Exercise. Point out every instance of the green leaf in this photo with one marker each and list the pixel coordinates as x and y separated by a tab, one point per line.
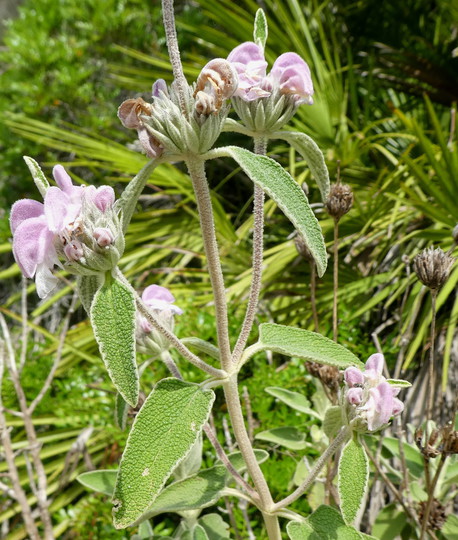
293	399
306	345
202	346
113	321
329	525
312	154
215	527
299	531
163	433
288	195
121	410
239	464
353	479
389	523
399	383
332	421
192	463
128	201
102	481
195	492
412	455
37	174
289	437
260	29
87	287
145	530
450	528
199	533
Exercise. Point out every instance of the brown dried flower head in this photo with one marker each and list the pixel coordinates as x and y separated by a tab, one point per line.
130	110
437	515
430	448
432	267
340	200
217	82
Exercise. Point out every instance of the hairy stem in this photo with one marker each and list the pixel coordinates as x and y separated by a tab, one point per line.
260	145
313	295
431	372
174	52
342	436
336	280
196	168
432	487
243	440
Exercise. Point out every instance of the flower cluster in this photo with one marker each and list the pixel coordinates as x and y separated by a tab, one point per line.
369	397
290	75
160	302
265	102
75	224
163	126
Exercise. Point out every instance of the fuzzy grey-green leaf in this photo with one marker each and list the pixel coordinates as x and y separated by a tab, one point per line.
332	421
312	154
306	345
87	287
162	435
260	28
215	527
121	410
295	400
282	188
113	321
299	531
287	436
352	479
102	481
38	176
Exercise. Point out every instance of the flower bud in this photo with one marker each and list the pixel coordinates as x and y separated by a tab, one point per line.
74	251
432	267
340	200
103	236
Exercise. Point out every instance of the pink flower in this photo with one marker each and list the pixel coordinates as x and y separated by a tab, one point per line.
43	231
289	74
371	396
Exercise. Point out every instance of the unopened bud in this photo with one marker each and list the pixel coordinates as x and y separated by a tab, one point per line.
432	267
74	251
340	200
103	237
159	88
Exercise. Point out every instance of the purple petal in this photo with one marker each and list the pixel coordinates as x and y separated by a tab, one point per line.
383	403
32	244
355	396
248	60
151	146
57	205
160	87
376	362
62	178
24	209
353	375
103	236
292	75
398	406
104	198
247	53
156	292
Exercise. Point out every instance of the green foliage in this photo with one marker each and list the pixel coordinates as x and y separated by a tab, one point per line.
163	433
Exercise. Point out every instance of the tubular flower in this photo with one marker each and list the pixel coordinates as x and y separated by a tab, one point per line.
61	230
369	397
290	75
160	302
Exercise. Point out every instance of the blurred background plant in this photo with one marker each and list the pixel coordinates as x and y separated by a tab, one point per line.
386	88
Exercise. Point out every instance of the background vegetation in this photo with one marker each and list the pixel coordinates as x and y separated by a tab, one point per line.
386	84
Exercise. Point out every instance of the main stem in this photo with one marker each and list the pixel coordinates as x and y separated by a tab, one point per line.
336	280
174	52
431	374
243	440
260	145
196	168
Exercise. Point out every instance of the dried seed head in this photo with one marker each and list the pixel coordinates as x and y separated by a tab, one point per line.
302	248
330	376
428	448
432	267
437	515
340	200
